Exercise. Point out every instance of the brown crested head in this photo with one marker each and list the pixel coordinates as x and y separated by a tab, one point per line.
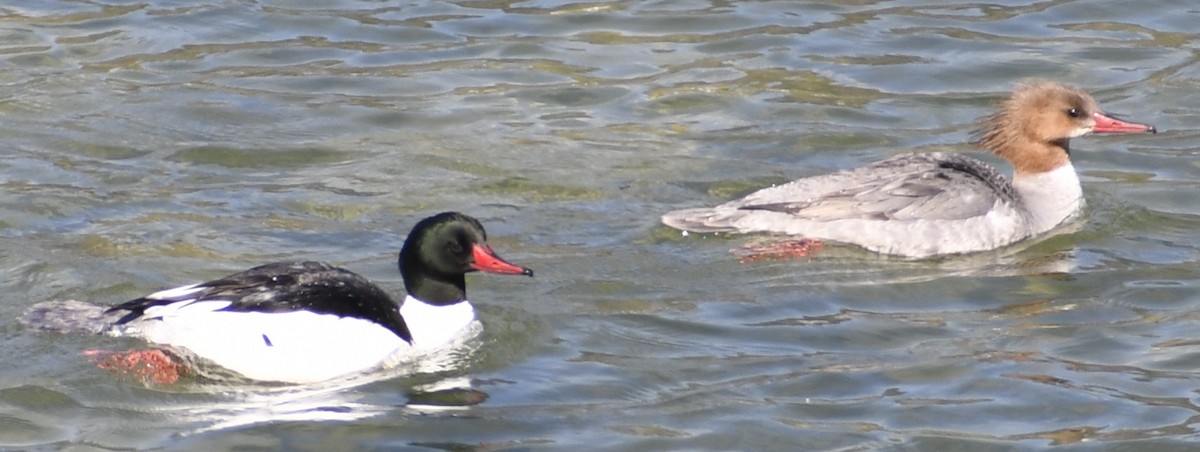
1035	124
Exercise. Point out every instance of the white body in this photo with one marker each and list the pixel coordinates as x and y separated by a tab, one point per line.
298	346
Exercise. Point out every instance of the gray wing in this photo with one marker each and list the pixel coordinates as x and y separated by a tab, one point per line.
907	187
932	186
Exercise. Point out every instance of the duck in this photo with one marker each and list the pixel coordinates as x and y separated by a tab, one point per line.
306	322
920	205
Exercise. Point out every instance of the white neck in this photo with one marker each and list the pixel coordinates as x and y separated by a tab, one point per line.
1050	197
435	326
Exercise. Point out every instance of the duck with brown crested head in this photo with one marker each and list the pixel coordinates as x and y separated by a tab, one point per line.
927	204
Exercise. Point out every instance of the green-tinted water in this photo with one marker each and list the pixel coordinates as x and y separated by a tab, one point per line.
159	143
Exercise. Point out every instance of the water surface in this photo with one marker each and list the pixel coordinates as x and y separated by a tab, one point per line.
154	143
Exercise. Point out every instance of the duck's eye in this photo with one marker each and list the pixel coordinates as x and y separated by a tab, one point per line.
454	247
1073	112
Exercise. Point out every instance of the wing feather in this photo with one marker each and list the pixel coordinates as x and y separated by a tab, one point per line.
907	187
279	288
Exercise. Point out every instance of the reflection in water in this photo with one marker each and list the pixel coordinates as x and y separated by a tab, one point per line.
334	401
255	403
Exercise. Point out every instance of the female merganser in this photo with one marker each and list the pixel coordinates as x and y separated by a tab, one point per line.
920	205
301	322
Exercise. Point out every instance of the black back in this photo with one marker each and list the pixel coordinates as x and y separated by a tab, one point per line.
288	287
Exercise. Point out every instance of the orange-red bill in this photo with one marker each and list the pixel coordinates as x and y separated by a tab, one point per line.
1109	124
486	260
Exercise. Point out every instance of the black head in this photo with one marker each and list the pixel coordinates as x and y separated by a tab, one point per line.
440	250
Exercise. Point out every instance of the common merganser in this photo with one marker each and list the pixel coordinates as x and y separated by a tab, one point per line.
302	322
926	204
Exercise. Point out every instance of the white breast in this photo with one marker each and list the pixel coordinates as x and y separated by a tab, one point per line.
435	327
1050	197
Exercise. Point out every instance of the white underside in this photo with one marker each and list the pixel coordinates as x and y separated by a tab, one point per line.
912	238
299	346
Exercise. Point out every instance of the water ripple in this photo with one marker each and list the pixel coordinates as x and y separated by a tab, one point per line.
150	144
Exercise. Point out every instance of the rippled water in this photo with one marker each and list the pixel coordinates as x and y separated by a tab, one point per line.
156	143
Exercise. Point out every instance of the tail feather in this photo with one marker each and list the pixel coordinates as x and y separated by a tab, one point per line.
704	220
68	316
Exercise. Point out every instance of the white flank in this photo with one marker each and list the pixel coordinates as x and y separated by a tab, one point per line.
293	347
298	346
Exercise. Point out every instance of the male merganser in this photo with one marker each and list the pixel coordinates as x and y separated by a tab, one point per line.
920	205
301	322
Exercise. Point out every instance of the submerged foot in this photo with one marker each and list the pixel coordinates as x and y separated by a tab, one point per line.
777	250
148	365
